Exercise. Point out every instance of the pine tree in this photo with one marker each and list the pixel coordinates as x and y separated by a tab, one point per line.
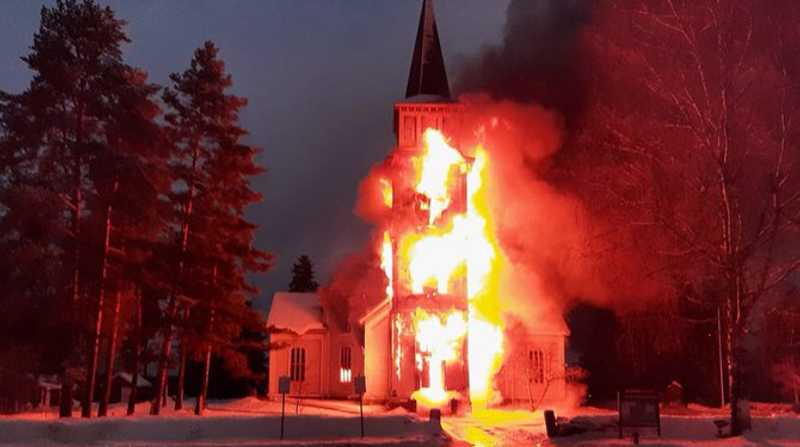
212	168
90	137
303	276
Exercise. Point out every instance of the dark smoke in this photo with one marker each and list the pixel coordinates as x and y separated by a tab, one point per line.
540	60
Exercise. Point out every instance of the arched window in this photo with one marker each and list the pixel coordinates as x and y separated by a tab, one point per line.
297	367
346	365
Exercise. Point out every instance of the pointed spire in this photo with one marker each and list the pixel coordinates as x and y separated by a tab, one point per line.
428	75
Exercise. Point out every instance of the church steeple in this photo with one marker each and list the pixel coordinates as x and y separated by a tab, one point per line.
428	75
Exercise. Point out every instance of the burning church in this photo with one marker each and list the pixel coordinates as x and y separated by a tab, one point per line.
439	335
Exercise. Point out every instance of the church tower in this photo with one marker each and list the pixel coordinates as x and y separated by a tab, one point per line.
416	349
427	103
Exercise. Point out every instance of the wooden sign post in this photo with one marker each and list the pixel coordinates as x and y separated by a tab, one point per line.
361	388
283	388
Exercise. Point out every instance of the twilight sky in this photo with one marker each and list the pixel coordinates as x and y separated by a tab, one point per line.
321	77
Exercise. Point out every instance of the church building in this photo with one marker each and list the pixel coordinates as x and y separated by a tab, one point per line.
385	351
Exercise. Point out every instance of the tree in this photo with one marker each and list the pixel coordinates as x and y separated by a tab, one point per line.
780	338
694	137
88	140
303	276
215	244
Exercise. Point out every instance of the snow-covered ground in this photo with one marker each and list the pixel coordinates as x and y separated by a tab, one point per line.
251	422
246	422
773	425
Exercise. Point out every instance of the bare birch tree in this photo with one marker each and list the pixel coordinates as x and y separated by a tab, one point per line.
694	126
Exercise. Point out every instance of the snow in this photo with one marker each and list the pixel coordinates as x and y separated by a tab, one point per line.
243	422
314	422
772	425
296	312
141	382
49	383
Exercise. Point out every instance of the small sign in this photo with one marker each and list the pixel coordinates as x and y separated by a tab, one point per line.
283	384
361	384
638	408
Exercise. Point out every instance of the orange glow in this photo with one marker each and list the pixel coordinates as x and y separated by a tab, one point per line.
386	192
438	343
398	353
434	258
455	245
345	375
485	334
387	263
434	171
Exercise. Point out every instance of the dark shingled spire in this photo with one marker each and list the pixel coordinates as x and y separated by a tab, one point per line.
428	75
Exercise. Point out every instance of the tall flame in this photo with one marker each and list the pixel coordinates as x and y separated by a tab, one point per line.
454	242
485	335
439	342
434	167
387	263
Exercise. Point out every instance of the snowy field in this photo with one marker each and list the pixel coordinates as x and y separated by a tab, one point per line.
251	423
246	422
773	425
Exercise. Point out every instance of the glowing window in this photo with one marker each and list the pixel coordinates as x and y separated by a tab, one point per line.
346	366
297	367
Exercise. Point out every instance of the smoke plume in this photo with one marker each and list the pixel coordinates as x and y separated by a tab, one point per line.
540	60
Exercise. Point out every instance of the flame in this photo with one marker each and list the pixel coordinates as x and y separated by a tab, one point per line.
387	192
454	244
438	342
485	341
434	167
436	257
485	335
387	263
398	354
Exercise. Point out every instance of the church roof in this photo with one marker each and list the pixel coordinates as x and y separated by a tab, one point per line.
428	75
141	382
296	312
550	326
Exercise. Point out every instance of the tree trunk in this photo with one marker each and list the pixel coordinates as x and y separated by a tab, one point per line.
182	364
733	314
91	371
733	397
65	401
137	353
163	364
65	404
111	355
796	382
166	345
202	396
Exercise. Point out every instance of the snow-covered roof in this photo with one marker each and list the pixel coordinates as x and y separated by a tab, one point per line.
550	326
372	313
296	312
141	382
49	383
